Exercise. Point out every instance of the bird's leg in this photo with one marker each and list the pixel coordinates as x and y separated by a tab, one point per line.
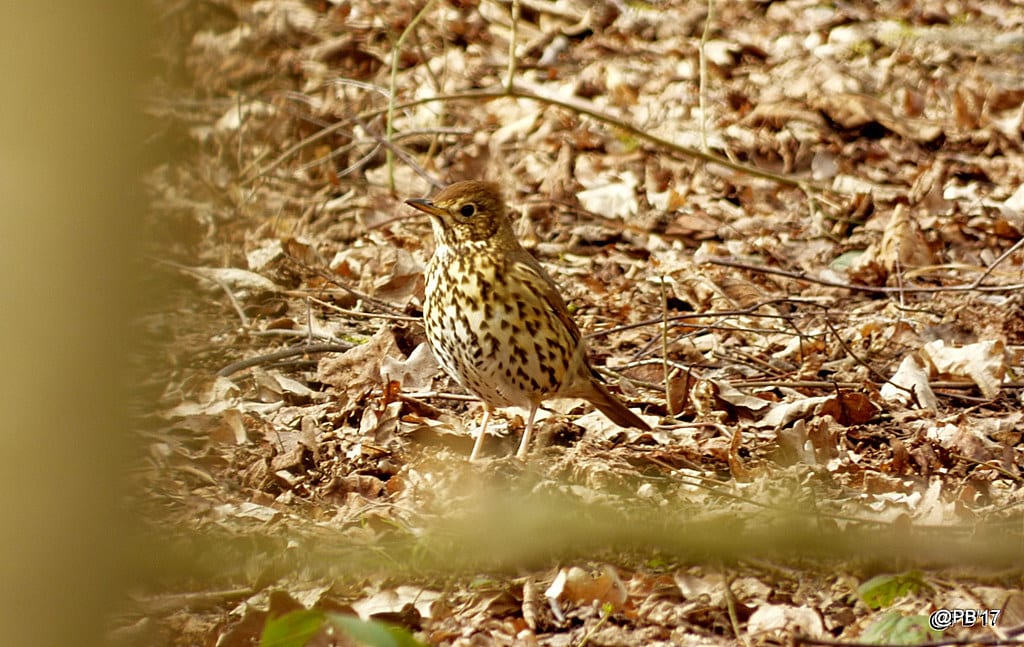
480	437
524	445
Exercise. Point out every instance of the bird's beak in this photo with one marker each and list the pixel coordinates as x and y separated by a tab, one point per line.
426	206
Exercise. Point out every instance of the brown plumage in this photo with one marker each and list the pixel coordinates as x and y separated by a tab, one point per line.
494	317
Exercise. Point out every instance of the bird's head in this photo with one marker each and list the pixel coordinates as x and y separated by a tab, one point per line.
469	211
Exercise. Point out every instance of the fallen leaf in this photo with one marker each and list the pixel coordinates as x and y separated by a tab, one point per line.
984	363
913	378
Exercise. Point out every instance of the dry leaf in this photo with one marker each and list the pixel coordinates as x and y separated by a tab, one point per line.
614	199
912	377
984	363
901	248
580	586
785	620
395	600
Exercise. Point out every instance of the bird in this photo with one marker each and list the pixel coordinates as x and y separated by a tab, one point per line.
494	318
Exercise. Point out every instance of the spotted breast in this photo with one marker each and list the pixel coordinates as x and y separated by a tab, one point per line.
495	319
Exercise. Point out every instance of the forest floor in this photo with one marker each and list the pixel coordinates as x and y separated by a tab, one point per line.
792	233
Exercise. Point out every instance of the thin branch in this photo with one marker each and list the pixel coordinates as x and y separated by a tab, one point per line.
715	314
1005	472
509	82
305	349
374	301
702	90
214	279
426	132
422	395
664	341
589	109
392	149
999	260
392	88
575	105
358	313
859	287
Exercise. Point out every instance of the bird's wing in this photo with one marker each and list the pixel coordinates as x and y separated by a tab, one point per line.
534	275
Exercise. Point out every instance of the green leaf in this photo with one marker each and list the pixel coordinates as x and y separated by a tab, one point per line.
292	629
895	629
881	590
373	633
295	629
846	260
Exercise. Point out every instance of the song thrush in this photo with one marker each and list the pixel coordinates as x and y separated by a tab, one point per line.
494	317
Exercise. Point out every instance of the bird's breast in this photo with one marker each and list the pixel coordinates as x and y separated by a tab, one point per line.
492	330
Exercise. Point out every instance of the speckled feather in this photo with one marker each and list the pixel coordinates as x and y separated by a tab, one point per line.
494	317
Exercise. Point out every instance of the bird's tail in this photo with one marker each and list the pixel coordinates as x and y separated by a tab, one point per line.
612	407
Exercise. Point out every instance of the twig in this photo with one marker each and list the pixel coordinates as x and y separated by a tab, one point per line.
358	313
289	332
575	105
999	260
220	283
703	86
606	612
697	315
512	39
590	110
649	362
664	341
822	384
859	287
394	219
395	53
305	349
857	358
730	604
296	147
383	305
422	395
1008	474
309	321
432	132
405	157
351	168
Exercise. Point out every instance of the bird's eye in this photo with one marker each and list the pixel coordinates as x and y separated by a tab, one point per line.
467	210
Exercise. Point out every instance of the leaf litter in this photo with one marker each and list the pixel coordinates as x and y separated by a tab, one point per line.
805	271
